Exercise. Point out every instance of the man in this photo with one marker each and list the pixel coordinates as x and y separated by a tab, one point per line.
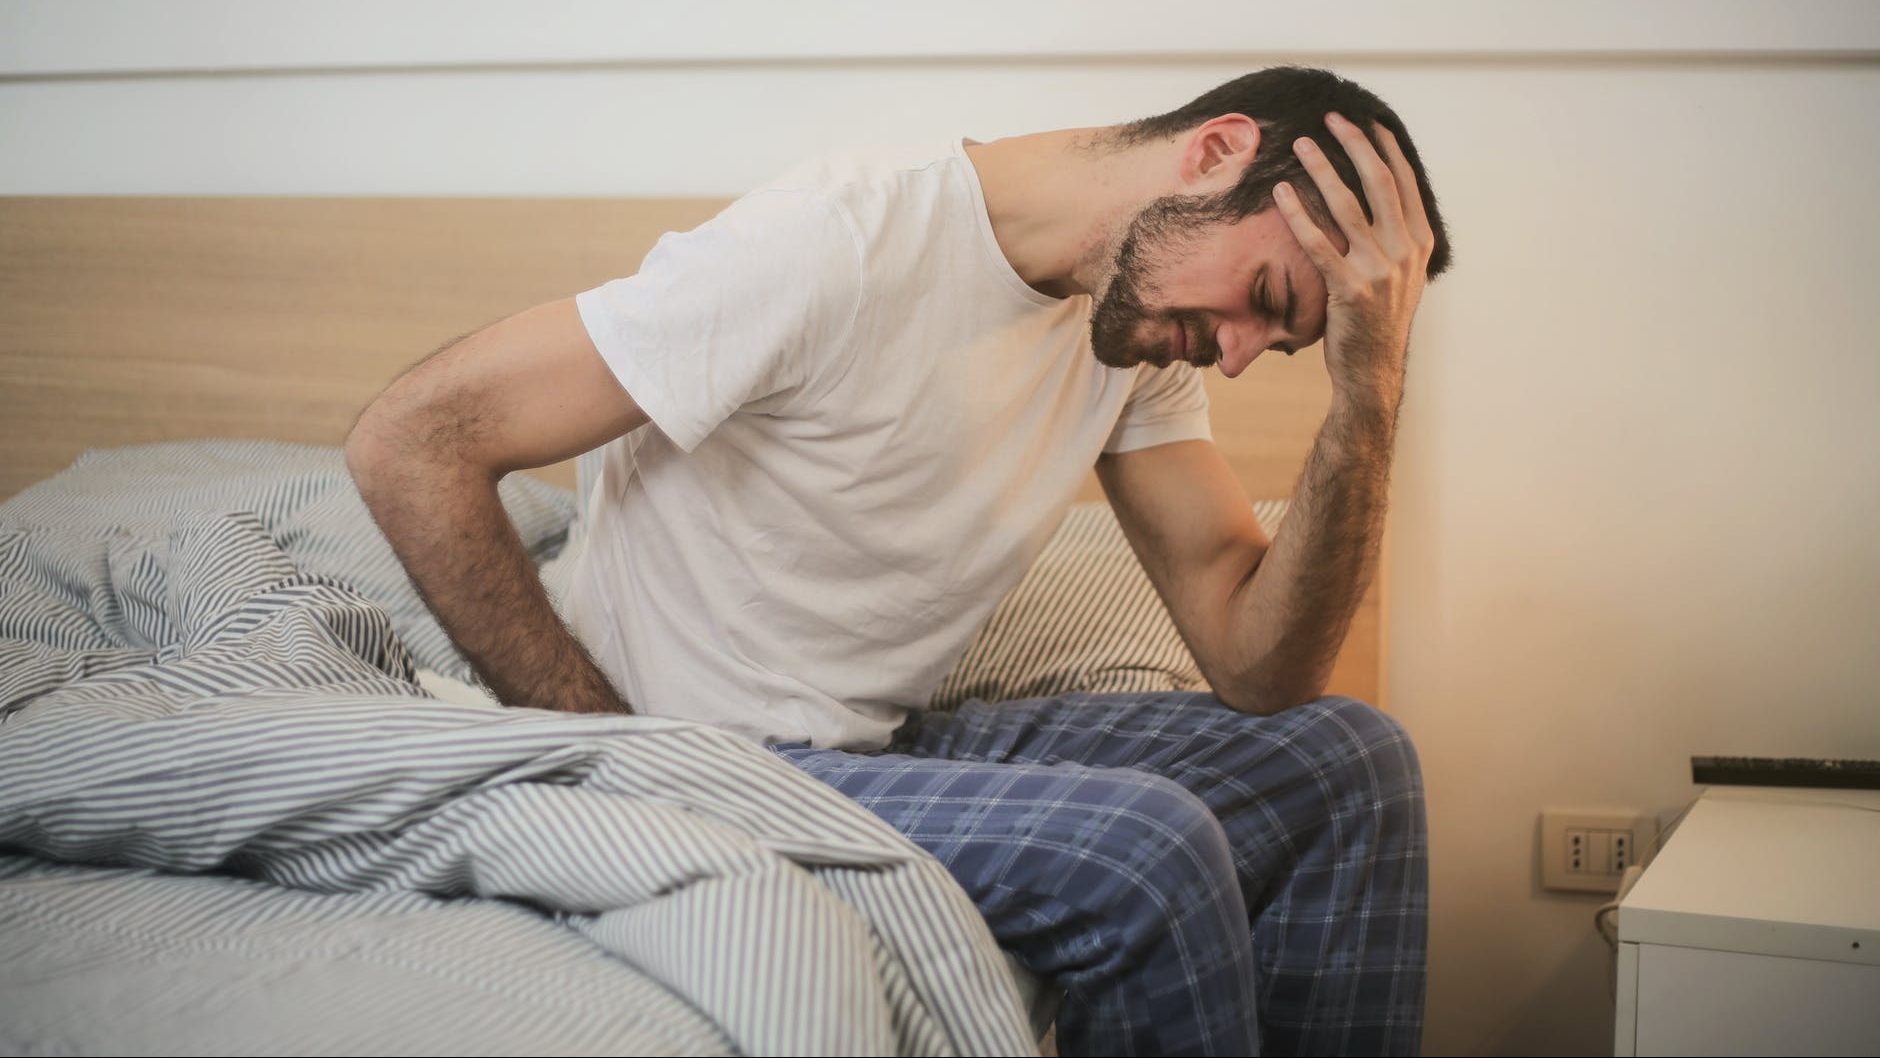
841	419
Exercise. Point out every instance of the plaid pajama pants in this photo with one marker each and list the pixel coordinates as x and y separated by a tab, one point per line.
1197	880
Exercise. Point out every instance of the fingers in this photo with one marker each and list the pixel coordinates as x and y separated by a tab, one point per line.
1338	198
1398	226
1380	184
1408	192
1323	254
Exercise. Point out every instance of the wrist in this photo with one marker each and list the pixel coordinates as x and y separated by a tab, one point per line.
1368	382
1370	411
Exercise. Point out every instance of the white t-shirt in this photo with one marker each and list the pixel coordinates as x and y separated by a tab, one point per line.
865	426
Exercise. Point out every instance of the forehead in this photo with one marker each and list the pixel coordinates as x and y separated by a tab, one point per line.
1261	239
1234	256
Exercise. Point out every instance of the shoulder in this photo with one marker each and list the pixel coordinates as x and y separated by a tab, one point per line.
797	220
886	191
781	253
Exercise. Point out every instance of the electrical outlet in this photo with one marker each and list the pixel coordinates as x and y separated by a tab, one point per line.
1619	856
1588	851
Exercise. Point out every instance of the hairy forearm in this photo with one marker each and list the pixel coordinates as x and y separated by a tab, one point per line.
1289	618
446	522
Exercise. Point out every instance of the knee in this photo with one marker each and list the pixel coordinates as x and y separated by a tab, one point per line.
1116	836
1165	846
1367	748
1101	892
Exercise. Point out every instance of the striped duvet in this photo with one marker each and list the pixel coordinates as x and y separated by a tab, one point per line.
230	821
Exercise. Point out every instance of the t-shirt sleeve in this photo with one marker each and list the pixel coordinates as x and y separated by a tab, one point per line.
1167	404
750	305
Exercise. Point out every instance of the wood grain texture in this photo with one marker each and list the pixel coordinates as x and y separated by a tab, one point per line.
129	320
125	320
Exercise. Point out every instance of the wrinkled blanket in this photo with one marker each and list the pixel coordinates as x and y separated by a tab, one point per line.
177	694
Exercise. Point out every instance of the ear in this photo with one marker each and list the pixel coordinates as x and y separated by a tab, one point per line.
1218	151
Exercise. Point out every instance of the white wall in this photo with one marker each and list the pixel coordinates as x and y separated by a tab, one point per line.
1639	480
1639	486
429	97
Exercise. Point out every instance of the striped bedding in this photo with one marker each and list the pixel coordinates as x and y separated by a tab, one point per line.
231	821
1083	619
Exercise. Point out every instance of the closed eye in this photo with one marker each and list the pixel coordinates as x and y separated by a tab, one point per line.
1263	306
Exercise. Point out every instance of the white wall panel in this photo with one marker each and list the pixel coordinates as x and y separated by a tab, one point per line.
523	132
1637	485
64	36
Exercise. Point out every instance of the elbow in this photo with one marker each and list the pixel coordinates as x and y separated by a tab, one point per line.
1264	692
367	450
399	448
382	450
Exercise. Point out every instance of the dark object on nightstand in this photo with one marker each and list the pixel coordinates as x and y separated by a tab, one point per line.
1790	771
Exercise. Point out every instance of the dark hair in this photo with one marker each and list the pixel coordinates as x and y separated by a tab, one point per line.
1289	102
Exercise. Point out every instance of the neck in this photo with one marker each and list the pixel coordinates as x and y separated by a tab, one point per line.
1059	202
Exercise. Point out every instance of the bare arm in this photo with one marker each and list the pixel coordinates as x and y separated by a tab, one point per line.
527	391
1265	619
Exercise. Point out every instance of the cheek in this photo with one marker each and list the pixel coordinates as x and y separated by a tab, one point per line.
1168	270
1201	279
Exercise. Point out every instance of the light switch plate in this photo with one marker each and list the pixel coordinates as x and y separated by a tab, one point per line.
1588	850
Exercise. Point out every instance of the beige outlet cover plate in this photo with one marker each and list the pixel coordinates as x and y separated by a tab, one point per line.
1557	872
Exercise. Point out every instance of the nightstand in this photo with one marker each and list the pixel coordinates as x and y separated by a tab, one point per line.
1757	929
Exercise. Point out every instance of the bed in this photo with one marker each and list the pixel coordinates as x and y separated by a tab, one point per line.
252	798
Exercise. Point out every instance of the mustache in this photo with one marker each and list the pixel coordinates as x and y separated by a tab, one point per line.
1203	350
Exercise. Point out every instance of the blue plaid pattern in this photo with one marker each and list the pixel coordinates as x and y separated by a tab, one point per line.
1197	880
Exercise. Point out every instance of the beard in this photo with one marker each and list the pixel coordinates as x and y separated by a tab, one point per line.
1121	315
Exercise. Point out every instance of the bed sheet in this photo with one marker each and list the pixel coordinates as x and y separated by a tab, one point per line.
232	820
135	961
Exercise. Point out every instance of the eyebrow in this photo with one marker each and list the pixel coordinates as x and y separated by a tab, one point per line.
1292	309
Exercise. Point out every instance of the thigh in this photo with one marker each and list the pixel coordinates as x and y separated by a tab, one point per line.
1321	806
1117	884
1155	732
1030	827
1332	763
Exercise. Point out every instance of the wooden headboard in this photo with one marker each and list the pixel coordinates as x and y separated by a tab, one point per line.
128	320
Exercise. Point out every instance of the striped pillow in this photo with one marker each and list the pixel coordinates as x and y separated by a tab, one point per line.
1085	618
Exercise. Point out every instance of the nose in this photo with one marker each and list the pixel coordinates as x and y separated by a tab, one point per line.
1240	344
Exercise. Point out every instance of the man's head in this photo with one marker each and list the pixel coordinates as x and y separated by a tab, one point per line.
1211	273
